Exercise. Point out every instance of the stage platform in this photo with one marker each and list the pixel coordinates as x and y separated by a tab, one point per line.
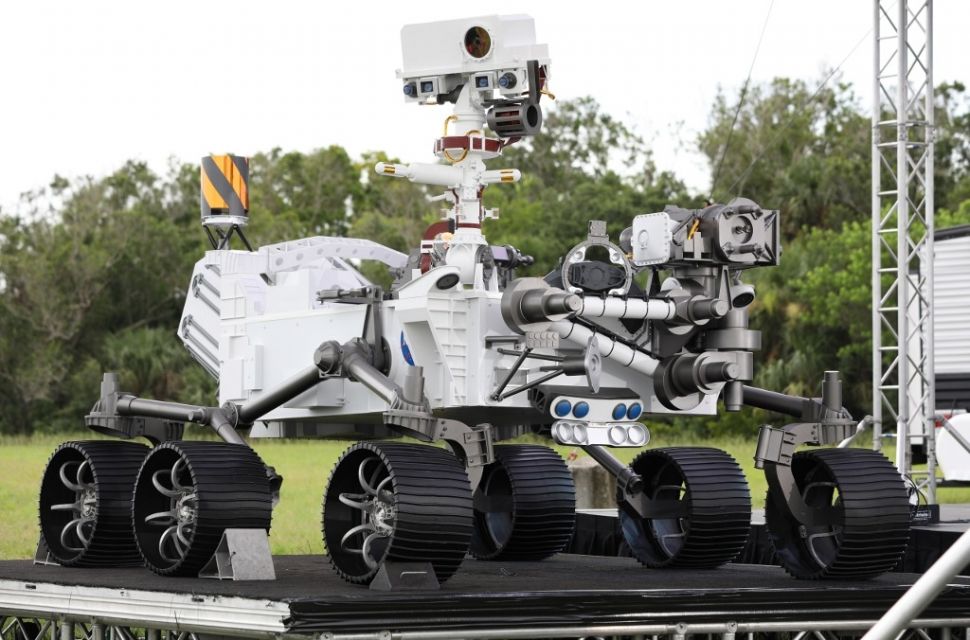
565	596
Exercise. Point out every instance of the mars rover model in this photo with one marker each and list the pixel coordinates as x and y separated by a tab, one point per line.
460	352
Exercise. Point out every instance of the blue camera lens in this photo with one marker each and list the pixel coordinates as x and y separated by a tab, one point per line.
563	407
507	81
427	86
619	411
481	82
410	89
581	410
634	411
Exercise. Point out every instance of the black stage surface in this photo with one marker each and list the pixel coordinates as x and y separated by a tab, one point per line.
564	590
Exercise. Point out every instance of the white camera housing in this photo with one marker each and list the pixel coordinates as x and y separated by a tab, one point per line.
453	52
484	81
652	234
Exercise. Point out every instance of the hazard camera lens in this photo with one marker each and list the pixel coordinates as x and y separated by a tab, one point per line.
477	42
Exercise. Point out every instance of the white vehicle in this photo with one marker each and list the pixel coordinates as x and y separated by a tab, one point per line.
461	351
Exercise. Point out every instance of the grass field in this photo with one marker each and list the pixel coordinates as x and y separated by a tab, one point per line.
305	465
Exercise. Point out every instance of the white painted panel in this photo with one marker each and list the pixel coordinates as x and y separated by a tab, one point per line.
951	302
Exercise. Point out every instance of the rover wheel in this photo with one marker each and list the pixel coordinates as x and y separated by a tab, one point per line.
871	527
85	503
396	502
188	493
525	505
708	490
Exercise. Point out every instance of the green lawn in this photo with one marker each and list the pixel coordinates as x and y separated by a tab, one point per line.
305	465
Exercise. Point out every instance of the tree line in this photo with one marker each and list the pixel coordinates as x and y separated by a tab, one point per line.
93	271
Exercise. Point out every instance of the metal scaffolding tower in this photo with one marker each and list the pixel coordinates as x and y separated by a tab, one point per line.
902	231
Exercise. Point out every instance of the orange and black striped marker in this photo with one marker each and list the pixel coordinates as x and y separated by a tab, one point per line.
225	186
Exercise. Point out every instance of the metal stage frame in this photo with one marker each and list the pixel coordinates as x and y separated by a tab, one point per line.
568	596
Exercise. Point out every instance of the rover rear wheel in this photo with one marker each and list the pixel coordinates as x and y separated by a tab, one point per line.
85	503
391	502
188	493
525	505
870	528
709	494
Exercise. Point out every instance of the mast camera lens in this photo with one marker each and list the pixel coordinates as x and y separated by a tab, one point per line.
477	42
507	81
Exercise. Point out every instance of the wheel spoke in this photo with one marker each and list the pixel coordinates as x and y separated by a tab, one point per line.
67	506
810	545
167	535
361	470
70	526
80	533
76	486
383	494
80	475
375	475
819	485
171	493
666	546
181	536
367	526
161	517
365	549
355	501
174	475
179	549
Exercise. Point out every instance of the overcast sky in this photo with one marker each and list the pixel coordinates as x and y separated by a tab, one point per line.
89	84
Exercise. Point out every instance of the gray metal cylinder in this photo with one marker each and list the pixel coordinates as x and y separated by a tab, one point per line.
515	120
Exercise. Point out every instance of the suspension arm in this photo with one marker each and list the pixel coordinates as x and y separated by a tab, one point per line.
119	410
828	408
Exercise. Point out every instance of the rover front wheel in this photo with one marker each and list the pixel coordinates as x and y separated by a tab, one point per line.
705	491
390	502
525	505
85	503
867	527
188	493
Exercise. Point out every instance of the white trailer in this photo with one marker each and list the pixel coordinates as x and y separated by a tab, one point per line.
951	347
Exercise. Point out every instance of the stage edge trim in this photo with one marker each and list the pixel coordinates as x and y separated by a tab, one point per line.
184	612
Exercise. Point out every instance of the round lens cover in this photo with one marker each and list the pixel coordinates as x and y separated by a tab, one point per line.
477	42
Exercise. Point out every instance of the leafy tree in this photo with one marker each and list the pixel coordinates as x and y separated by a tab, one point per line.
952	162
584	165
312	192
792	149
